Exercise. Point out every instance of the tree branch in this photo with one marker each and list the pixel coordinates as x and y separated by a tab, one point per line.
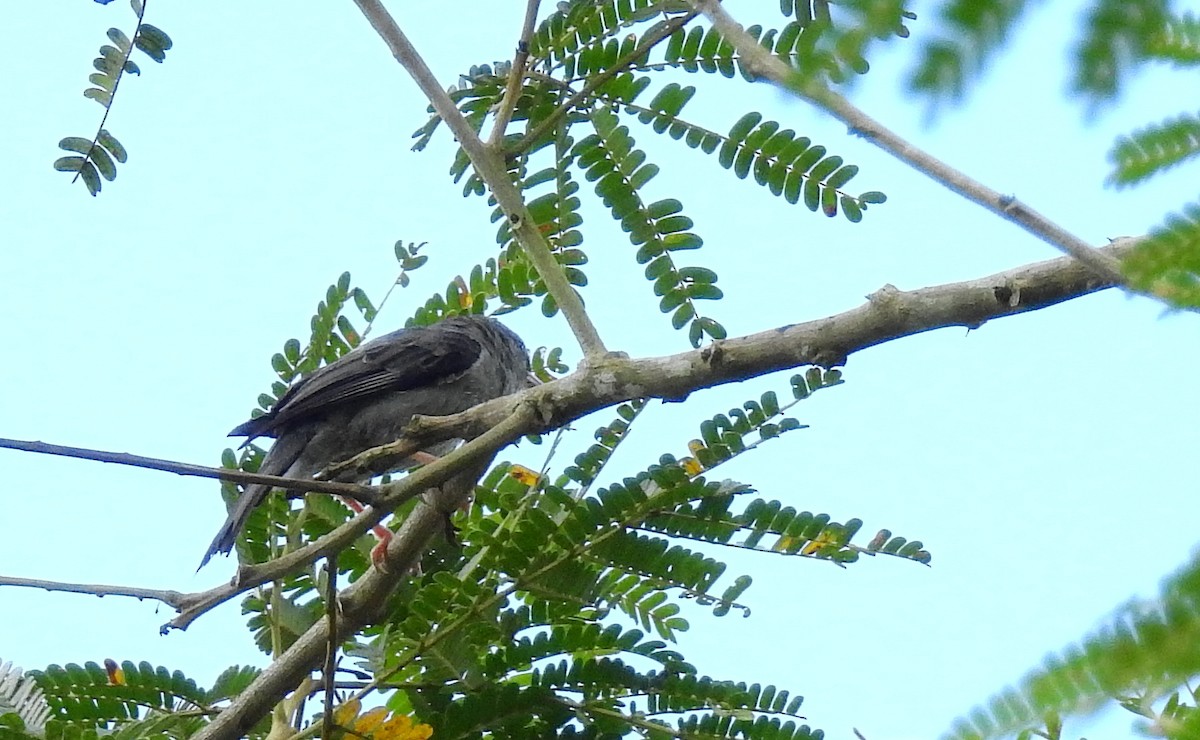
760	61
888	314
516	78
364	494
489	164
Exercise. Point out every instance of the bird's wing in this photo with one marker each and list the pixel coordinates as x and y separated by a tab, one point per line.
403	360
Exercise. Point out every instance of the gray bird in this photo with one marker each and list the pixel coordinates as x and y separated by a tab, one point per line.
367	397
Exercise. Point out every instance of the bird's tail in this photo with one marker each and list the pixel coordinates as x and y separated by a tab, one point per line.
227	534
281	459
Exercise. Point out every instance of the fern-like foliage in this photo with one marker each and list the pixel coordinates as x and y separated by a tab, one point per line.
512	629
658	229
788	165
593	68
1178	41
970	32
1141	657
1153	149
1167	262
1117	34
98	157
23	707
99	698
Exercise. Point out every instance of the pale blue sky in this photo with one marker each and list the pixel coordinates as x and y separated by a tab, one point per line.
1039	458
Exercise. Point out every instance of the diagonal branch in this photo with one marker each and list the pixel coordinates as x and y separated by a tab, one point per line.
516	77
760	61
489	163
362	602
888	314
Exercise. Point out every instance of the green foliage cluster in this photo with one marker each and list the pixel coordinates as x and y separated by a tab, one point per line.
126	701
98	157
594	70
553	609
1140	658
522	625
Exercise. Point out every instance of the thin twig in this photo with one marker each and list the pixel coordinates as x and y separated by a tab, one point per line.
172	599
366	494
516	77
331	648
252	576
761	61
490	166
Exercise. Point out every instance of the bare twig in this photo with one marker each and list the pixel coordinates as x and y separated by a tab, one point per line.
490	166
331	647
516	77
365	494
172	599
760	61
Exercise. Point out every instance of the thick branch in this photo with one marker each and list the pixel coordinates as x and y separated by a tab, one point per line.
361	602
489	164
888	314
760	61
364	494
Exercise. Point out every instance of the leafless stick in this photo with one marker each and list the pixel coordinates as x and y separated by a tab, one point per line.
888	314
249	576
331	647
516	77
171	598
490	166
760	61
365	494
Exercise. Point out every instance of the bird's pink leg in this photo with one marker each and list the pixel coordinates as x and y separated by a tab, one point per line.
382	533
